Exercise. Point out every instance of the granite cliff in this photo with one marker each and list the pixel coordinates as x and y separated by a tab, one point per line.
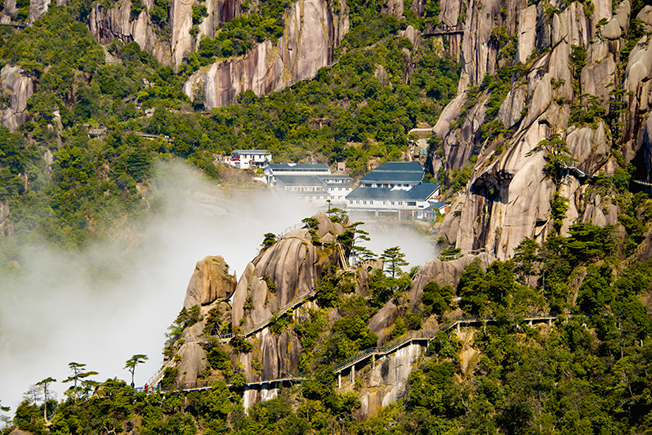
567	61
284	273
313	30
257	326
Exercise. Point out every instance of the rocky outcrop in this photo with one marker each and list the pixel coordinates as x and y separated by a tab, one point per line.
385	383
443	273
17	88
383	319
210	282
508	196
312	32
116	23
280	274
37	8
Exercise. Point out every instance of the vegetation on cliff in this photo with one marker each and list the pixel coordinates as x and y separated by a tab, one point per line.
588	372
83	162
358	110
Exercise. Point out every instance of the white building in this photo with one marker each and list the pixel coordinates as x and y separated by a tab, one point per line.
245	159
395	188
417	197
310	183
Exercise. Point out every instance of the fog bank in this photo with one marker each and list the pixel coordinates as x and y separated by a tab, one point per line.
105	304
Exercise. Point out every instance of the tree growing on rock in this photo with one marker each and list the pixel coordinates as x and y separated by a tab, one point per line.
269	240
350	237
394	259
78	378
133	362
47	394
557	155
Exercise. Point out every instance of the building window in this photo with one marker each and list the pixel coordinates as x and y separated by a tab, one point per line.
412	204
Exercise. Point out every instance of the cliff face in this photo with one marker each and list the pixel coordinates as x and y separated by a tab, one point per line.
17	88
508	196
285	272
312	32
116	23
182	42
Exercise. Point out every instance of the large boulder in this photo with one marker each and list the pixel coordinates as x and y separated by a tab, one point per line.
443	273
294	264
192	363
210	282
612	30
19	88
383	319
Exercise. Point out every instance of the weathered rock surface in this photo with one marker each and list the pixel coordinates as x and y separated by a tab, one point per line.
383	319
115	23
312	32
37	8
18	88
645	15
193	361
477	57
387	380
511	110
393	7
294	263
210	282
10	7
443	273
526	36
595	78
622	14
450	12
612	30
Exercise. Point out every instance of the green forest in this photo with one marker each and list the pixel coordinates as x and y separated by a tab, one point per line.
94	182
587	373
82	170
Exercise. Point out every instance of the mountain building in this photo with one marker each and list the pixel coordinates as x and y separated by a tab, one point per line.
313	183
395	188
245	159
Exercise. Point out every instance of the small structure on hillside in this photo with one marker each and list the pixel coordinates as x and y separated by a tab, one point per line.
245	159
312	183
395	189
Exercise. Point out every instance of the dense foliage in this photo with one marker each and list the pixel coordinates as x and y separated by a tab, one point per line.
82	163
588	372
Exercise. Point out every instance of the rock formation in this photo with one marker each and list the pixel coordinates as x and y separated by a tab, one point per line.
17	88
210	282
312	32
116	23
443	273
508	196
280	274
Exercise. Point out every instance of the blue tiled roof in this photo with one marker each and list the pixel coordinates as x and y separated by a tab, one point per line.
299	167
395	172
418	193
400	167
300	180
